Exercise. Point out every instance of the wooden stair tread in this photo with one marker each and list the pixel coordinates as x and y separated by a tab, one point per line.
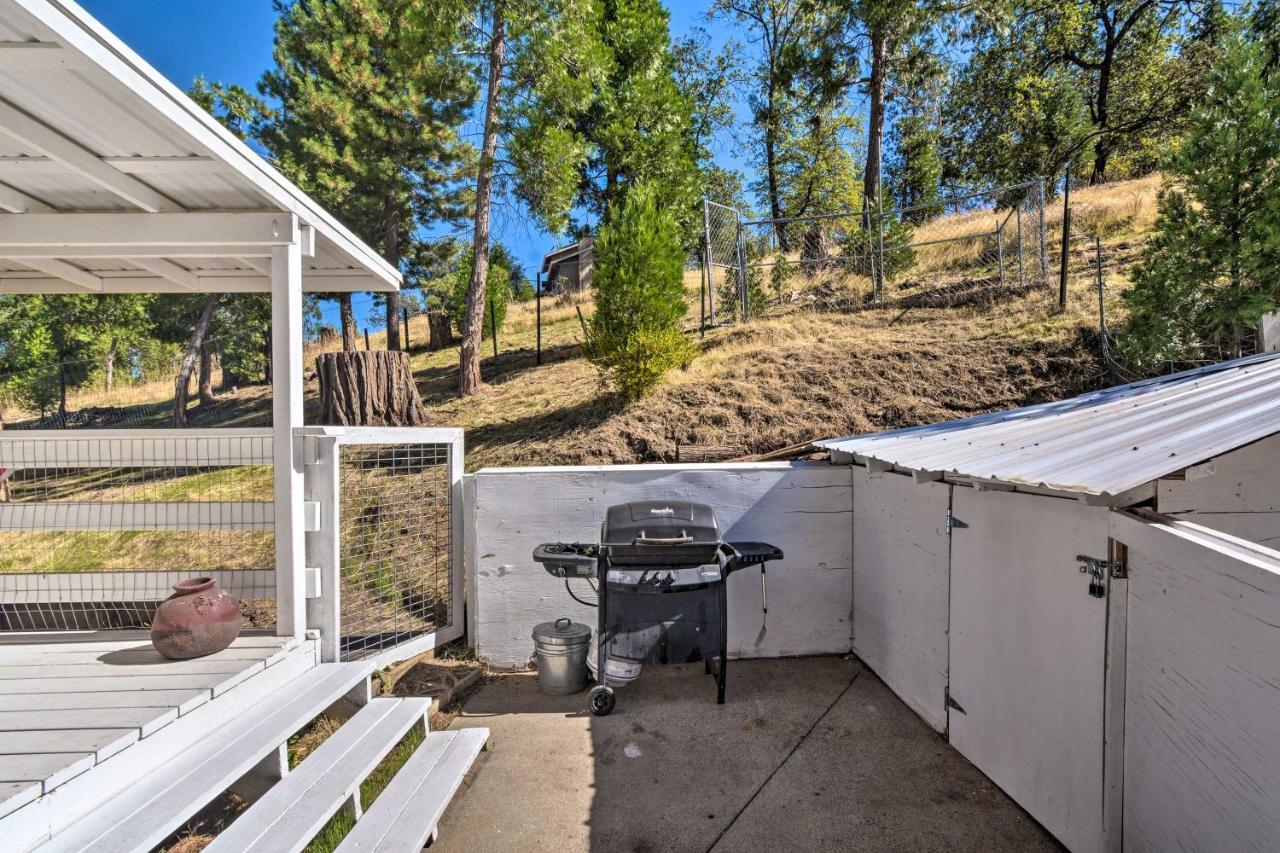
143	815
290	814
405	815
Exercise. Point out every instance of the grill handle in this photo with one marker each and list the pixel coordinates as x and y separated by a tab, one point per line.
682	539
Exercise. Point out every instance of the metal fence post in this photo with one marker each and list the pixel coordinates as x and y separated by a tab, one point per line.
880	269
1102	308
742	270
537	295
1066	238
710	260
1000	249
1022	278
1044	254
404	316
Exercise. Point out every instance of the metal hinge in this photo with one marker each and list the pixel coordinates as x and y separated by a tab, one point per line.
953	522
952	703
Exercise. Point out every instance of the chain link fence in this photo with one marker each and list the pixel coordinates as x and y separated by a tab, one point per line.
974	247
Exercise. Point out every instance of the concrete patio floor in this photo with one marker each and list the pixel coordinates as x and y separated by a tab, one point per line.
807	754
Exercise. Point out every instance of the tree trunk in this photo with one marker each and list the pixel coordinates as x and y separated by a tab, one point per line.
183	385
1102	114
109	367
771	169
439	331
391	251
348	323
368	389
205	384
473	322
875	130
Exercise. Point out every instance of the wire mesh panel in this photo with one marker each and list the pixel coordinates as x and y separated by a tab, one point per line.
396	548
96	529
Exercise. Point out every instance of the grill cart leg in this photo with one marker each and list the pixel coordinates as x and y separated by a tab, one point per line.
723	675
601	699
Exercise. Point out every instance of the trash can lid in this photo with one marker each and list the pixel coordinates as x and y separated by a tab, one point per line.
562	632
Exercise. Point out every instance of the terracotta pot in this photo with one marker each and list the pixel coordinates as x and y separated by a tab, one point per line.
200	618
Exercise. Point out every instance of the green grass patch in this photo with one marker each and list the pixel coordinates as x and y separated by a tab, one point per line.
128	550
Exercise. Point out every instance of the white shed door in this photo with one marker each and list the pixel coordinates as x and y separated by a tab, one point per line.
1028	648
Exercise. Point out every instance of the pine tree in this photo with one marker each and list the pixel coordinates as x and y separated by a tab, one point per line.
915	171
542	63
372	93
1209	273
634	336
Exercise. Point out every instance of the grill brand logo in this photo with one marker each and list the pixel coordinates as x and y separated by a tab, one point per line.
666	510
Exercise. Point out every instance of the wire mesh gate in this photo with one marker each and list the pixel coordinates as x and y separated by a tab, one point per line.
387	548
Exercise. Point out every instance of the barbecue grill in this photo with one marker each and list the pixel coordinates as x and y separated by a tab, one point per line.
660	569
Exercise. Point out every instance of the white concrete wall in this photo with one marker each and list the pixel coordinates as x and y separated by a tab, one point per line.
1237	493
1202	690
901	569
803	508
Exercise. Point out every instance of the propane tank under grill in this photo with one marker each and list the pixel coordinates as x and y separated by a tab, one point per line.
661	568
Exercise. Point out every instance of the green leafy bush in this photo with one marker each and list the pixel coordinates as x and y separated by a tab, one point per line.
497	293
634	337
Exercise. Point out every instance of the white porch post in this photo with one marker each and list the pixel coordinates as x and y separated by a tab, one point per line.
286	410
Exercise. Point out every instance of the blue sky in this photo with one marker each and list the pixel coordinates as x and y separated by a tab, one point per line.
230	41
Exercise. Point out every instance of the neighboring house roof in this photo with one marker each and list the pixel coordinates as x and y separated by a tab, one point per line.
562	254
1099	446
88	127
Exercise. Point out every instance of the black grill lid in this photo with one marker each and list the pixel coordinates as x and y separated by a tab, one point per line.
661	533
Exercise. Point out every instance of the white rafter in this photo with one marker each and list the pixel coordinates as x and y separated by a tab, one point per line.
168	270
14	201
35	56
192	165
25	129
65	271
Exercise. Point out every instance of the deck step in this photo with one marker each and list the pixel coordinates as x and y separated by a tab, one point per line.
289	815
404	817
143	815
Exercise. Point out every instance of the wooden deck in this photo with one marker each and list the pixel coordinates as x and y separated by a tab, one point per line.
72	699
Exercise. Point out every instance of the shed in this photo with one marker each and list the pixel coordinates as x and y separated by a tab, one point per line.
567	269
985	557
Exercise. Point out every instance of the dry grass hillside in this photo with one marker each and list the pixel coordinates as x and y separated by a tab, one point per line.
786	377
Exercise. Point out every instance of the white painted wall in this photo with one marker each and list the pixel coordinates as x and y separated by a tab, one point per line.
803	508
901	565
1202	710
1237	493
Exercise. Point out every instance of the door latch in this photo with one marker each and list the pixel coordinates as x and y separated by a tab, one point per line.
1097	570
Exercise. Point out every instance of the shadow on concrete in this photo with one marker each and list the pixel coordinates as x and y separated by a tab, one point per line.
807	754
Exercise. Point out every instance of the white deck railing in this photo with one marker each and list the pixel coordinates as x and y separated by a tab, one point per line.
59	485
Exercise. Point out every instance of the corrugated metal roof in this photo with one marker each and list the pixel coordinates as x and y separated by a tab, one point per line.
86	90
1100	445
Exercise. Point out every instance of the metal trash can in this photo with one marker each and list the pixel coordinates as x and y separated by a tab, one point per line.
561	651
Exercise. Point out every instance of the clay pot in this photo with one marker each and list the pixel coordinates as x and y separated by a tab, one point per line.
200	618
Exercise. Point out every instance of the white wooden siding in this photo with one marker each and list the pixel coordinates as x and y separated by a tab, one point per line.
1202	721
901	564
805	509
1236	493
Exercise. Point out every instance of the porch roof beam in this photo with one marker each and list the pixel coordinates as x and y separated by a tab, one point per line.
121	235
21	127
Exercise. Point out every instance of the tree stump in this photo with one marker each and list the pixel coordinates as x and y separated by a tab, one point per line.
368	389
439	329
